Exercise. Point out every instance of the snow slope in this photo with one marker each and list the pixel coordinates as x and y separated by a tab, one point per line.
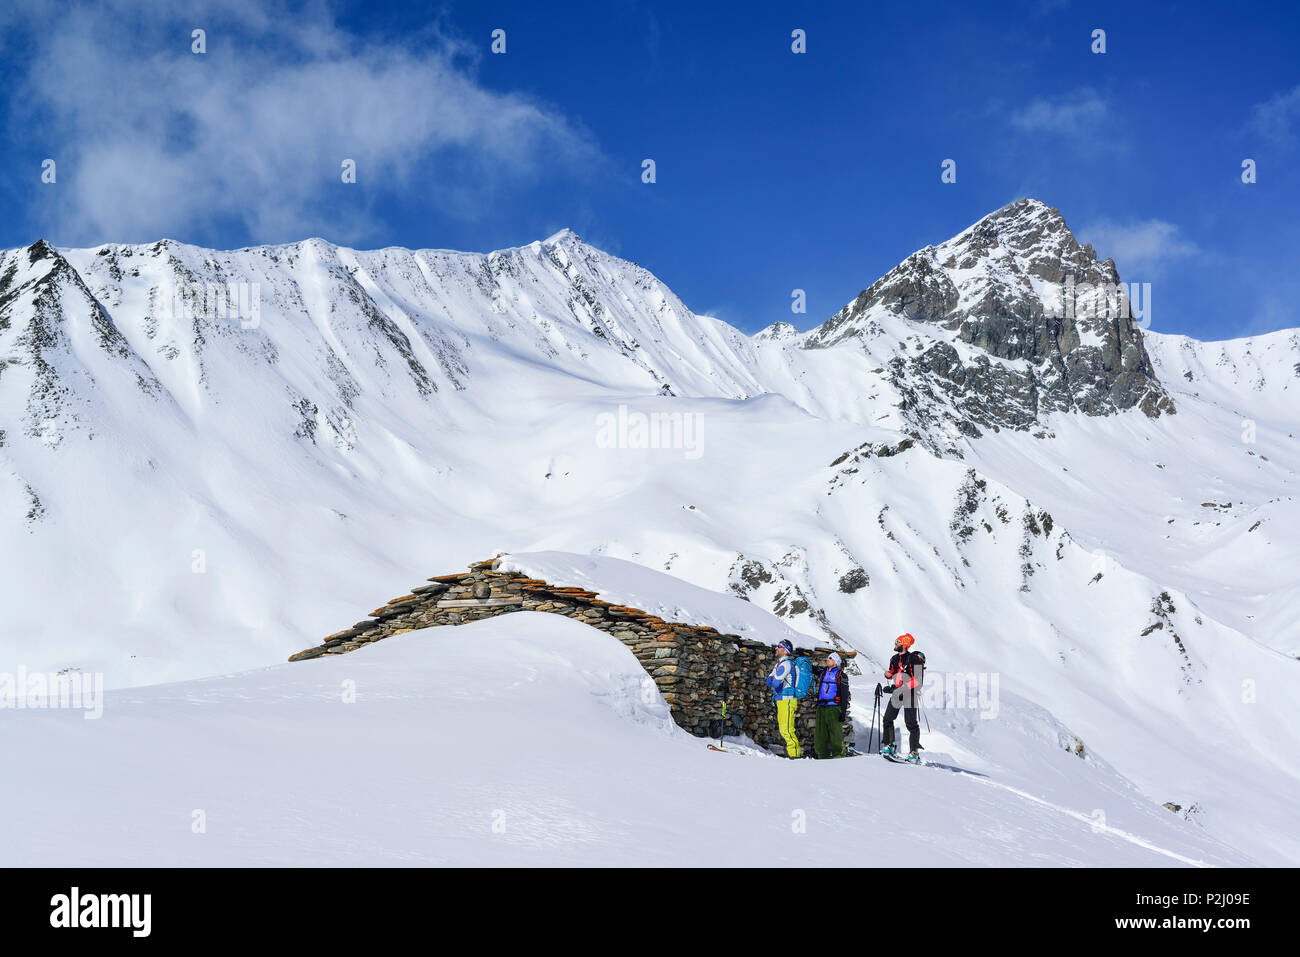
556	757
1209	500
183	496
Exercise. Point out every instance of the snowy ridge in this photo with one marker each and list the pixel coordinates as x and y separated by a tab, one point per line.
1268	364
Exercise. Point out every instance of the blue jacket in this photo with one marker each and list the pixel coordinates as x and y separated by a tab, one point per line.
828	692
781	680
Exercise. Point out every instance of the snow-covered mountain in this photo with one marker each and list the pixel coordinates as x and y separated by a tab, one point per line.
1105	517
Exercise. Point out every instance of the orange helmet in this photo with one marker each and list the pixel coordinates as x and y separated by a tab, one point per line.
906	641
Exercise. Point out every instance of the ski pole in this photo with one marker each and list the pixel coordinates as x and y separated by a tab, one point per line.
876	720
880	717
870	734
880	727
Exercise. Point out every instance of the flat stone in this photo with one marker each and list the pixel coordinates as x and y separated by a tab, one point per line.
435	589
476	602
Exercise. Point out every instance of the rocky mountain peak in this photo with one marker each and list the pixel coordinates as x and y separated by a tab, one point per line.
41	249
1053	329
1028	230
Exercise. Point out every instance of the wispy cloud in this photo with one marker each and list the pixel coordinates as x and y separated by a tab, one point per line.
152	139
1145	246
1275	310
1079	115
1046	7
1277	118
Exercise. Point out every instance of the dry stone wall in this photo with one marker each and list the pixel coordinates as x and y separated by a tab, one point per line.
696	668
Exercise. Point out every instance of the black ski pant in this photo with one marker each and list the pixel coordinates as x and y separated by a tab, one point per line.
909	718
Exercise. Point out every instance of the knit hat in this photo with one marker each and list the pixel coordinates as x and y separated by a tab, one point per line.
834	656
906	641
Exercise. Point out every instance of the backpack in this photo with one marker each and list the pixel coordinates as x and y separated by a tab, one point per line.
803	677
908	660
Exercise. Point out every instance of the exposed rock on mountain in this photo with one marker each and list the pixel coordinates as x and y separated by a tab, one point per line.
1025	321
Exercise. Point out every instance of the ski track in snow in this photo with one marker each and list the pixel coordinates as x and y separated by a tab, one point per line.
1125	835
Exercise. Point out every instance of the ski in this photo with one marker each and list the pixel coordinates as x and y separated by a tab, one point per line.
938	766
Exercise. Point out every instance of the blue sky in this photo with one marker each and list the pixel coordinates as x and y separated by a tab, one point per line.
775	170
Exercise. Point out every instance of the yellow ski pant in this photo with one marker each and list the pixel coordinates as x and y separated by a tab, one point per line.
785	708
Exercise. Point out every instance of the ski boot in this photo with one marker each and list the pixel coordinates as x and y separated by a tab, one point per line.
913	757
887	751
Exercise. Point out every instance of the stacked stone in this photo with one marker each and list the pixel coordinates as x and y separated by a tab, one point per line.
696	669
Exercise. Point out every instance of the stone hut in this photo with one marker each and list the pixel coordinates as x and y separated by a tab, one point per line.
696	668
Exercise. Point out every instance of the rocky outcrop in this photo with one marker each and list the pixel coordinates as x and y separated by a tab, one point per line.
696	668
1164	612
1049	327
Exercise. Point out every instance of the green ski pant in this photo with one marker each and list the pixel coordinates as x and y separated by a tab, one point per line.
828	738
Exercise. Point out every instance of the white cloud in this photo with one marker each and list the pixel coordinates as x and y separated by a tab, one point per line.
1143	247
1276	119
152	139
